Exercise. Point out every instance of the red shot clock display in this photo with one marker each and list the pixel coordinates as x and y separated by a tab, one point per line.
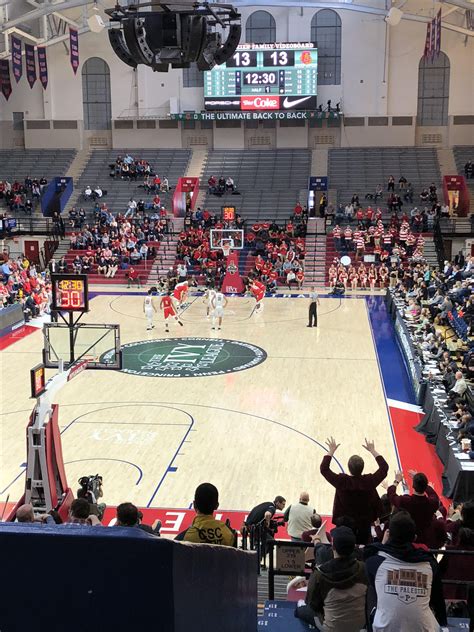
70	293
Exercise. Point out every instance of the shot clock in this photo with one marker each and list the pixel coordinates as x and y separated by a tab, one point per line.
38	380
280	76
228	213
70	293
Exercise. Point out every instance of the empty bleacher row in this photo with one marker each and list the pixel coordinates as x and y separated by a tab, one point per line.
269	181
169	163
17	164
461	156
360	170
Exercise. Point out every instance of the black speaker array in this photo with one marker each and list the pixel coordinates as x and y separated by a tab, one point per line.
120	48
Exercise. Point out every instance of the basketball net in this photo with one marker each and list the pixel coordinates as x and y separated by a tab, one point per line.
226	249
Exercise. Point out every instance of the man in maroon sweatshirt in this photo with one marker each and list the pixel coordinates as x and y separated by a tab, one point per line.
421	505
356	493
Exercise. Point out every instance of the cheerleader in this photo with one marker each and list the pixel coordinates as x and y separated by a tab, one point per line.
383	273
354	279
332	273
372	276
343	277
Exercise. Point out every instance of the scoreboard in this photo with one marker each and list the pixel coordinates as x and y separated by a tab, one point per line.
279	76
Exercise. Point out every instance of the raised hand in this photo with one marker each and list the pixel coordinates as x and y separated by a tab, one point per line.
370	447
332	445
399	476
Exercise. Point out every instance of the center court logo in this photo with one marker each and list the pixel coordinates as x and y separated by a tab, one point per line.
188	357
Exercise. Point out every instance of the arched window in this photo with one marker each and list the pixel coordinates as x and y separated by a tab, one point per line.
260	28
433	91
96	94
326	32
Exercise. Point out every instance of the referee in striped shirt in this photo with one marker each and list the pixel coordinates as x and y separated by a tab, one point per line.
313	308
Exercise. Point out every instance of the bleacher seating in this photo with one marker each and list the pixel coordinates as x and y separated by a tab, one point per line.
143	268
359	170
16	164
169	163
269	181
461	156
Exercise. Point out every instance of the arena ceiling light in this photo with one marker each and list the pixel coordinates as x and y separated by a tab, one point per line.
162	35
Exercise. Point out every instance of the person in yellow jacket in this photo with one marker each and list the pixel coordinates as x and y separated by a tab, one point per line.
205	528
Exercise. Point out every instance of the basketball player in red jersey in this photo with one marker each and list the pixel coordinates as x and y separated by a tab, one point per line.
167	305
257	289
180	293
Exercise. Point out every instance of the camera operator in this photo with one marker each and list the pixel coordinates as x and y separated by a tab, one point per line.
260	524
91	490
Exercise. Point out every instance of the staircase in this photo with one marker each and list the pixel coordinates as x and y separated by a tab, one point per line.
447	164
75	171
315	261
166	256
430	251
196	164
319	162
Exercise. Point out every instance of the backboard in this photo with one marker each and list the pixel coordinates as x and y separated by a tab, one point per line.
226	236
98	344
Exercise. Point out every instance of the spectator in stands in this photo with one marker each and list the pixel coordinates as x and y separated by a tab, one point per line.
25	515
469	169
337	588
391	184
229	184
127	515
405	581
261	516
79	514
298	517
205	529
133	277
458	567
422	505
456	393
97	193
356	493
87	195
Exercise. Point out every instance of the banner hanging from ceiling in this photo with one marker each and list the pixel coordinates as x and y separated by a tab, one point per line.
74	48
30	64
43	66
17	60
5	82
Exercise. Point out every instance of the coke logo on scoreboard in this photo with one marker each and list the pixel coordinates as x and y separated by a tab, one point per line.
260	103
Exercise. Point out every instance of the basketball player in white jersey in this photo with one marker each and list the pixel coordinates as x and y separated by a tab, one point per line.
208	297
149	308
219	303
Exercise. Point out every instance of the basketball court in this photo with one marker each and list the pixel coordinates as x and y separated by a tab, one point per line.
248	408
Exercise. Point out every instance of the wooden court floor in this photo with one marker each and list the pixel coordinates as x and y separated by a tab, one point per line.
254	433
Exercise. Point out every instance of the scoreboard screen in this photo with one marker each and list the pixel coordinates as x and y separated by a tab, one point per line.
70	293
265	77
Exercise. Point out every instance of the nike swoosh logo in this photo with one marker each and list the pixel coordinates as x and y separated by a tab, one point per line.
290	104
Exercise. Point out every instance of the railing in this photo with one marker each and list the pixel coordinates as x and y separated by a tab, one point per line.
33	226
439	243
293	567
456	226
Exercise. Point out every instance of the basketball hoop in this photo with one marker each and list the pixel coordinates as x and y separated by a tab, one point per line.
226	248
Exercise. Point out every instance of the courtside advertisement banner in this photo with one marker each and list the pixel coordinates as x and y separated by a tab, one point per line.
17	62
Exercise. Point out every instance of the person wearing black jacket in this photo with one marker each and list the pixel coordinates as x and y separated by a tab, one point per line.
404	581
337	589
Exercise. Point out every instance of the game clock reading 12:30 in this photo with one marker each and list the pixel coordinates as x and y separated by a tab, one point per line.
70	293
